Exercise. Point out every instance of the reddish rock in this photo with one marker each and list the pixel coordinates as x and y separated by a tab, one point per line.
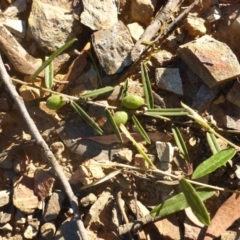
24	197
43	183
213	61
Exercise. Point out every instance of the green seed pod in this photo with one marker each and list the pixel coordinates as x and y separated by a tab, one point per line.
132	101
55	102
120	117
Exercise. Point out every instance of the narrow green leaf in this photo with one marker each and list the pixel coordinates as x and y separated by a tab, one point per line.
96	68
48	74
195	202
97	92
53	56
180	143
166	112
128	135
86	117
214	162
125	88
147	86
141	129
104	179
211	143
113	124
179	202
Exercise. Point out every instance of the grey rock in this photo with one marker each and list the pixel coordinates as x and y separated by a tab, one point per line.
53	206
233	95
213	61
112	47
99	15
204	96
68	230
50	26
169	79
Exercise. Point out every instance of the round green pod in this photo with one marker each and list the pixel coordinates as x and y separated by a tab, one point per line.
55	102
132	101
120	117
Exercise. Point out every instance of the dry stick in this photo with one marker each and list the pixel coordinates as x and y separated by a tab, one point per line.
62	94
17	55
154	27
137	225
40	141
176	21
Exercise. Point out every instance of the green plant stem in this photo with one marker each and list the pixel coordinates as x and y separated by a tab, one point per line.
157	171
62	94
237	148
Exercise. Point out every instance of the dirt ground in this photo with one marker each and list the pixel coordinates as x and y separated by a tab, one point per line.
86	170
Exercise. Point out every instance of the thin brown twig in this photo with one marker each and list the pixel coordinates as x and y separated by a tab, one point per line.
40	141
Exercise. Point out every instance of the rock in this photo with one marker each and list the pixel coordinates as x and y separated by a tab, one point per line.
68	230
143	10
23	195
195	25
49	24
47	230
214	14
32	229
160	58
142	210
204	96
136	30
99	15
15	26
229	32
88	200
115	96
6	227
43	183
7	215
4	197
53	206
86	173
139	161
211	60
86	148
227	115
125	154
233	94
112	47
165	153
15	8
20	217
169	79
191	230
97	207
86	82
